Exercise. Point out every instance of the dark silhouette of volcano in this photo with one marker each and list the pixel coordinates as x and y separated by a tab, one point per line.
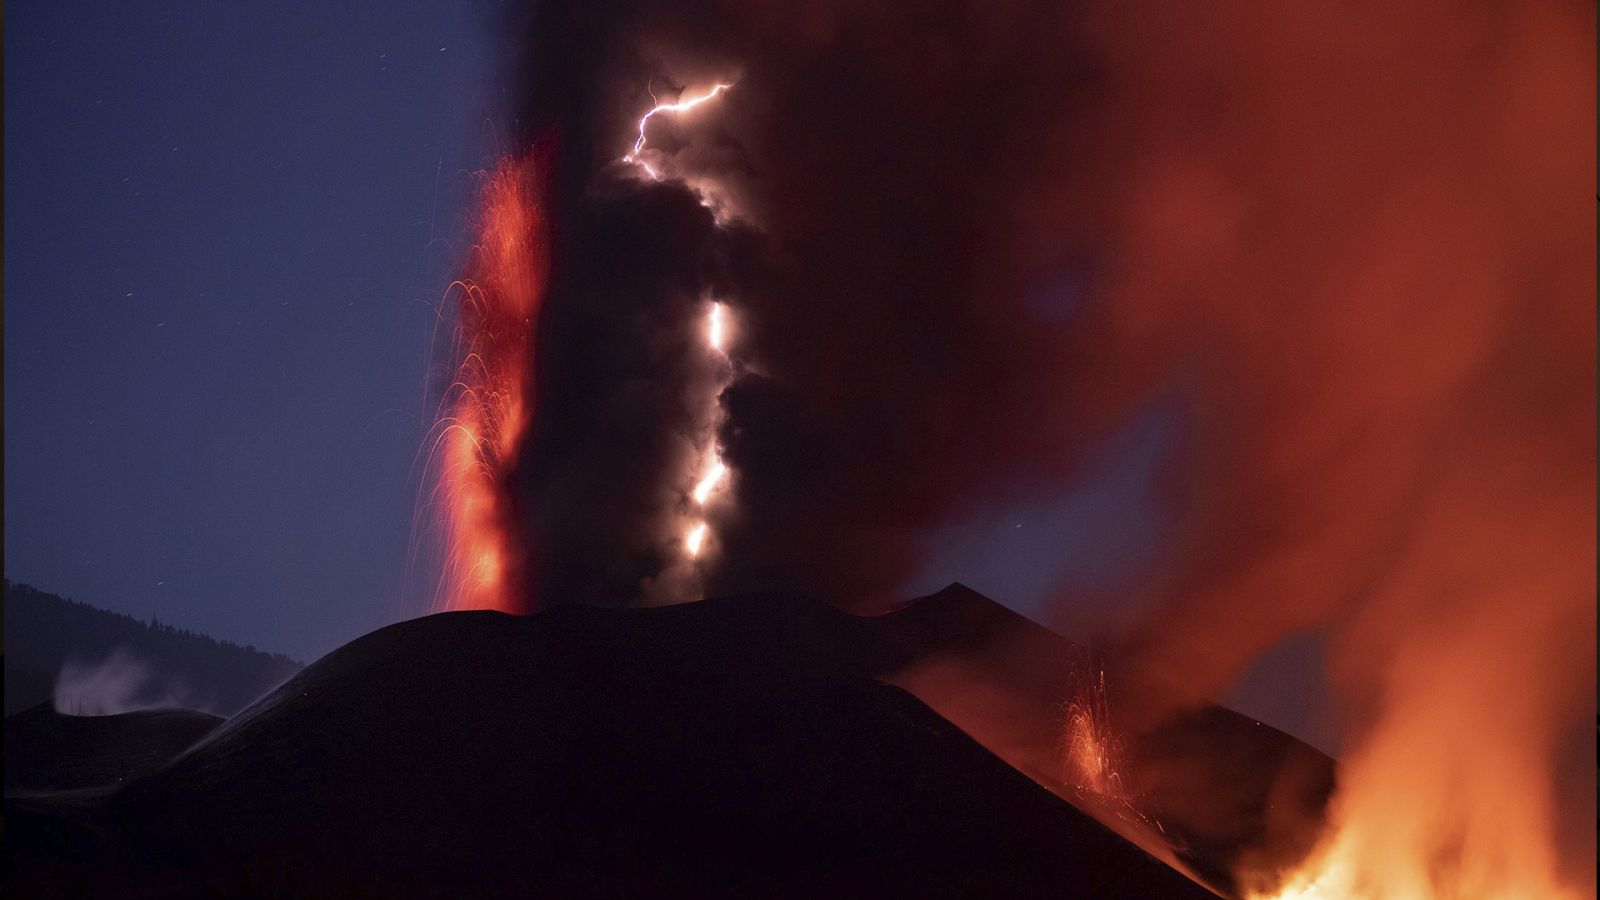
748	746
46	750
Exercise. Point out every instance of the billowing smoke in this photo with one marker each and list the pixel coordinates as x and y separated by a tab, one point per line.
965	242
119	683
862	233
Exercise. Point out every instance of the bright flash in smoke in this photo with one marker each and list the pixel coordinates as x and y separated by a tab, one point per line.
632	157
713	471
702	491
696	538
715	328
717	470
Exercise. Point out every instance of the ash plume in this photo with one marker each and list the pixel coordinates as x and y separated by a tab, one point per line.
966	242
879	316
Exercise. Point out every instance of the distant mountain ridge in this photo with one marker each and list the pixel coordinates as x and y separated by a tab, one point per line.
117	662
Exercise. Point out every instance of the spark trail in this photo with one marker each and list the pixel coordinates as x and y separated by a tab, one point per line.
489	402
1094	754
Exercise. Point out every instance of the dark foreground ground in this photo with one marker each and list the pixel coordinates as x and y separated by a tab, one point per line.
736	747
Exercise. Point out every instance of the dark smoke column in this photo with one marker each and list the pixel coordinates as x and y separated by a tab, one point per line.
883	370
964	243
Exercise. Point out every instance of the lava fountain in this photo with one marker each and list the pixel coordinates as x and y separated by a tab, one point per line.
1094	754
488	405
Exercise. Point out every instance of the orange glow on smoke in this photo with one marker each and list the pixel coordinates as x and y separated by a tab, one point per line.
1417	818
490	399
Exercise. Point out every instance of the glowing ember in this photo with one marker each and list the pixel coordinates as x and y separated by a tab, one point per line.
488	403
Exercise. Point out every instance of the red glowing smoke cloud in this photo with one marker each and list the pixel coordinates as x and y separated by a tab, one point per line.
490	401
1353	244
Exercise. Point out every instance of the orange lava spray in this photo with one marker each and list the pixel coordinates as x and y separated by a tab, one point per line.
488	405
1093	751
1094	756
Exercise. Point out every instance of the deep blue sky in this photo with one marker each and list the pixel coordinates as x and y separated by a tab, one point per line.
228	227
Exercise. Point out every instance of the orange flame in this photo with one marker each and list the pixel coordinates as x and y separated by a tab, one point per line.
490	399
1416	818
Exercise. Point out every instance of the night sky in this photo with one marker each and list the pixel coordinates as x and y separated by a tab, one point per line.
230	235
1252	344
229	228
229	232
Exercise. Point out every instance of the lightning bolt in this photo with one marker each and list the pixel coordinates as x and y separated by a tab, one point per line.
632	157
712	471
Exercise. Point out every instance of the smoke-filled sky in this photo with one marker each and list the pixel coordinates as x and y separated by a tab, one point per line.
1280	314
229	231
1208	328
1255	306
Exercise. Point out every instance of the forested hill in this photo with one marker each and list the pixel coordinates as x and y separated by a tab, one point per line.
109	663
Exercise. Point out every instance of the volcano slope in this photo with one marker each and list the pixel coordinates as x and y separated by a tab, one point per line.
48	751
745	746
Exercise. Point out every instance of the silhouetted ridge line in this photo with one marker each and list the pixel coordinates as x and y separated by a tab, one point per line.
175	667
